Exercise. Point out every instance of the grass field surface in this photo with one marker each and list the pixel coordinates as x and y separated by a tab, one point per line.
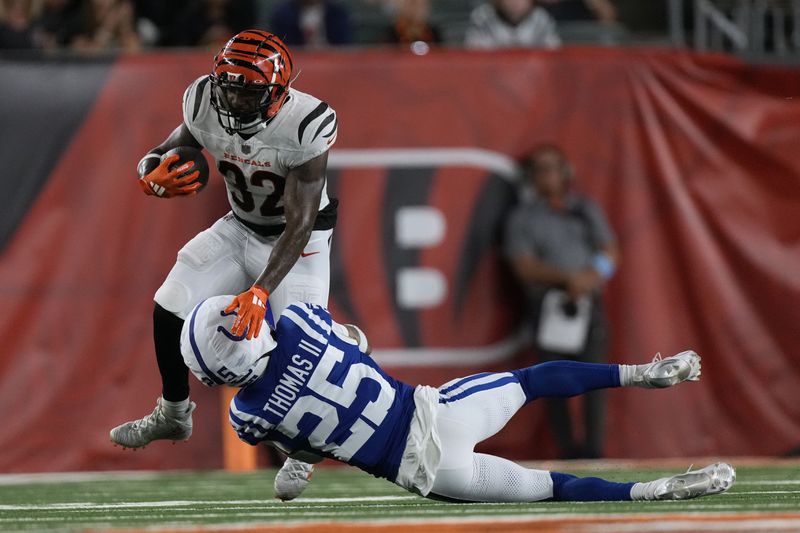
766	497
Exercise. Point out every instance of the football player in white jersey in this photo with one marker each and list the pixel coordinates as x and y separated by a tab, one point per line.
270	143
312	390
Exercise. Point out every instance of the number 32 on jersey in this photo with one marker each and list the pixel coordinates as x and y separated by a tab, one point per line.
242	192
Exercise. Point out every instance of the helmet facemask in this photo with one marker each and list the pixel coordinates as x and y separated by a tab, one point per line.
250	81
243	107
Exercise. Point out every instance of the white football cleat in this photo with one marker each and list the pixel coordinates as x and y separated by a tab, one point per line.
712	479
662	373
157	425
292	479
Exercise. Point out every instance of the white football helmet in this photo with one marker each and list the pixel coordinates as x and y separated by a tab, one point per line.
214	354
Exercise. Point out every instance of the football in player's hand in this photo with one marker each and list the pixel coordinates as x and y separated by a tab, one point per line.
189	154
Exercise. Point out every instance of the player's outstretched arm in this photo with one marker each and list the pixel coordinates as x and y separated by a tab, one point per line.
301	199
155	176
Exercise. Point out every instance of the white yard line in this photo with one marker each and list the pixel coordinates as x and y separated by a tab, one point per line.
189	503
596	464
356	499
761	492
313	503
81	477
740	482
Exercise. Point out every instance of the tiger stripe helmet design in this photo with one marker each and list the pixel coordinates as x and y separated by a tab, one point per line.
250	80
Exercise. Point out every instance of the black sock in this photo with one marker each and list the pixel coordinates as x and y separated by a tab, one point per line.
167	339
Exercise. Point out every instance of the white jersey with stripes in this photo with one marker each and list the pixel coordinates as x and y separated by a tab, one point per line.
255	166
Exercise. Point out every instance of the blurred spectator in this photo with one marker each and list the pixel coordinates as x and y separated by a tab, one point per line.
580	10
59	23
586	21
312	23
81	25
108	24
562	250
511	23
26	24
16	24
211	23
156	18
411	24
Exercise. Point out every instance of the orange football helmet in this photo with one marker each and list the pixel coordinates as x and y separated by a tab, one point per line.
250	80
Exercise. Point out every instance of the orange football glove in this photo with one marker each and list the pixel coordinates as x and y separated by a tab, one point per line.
166	183
252	305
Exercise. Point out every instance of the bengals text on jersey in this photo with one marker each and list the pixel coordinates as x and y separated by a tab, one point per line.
254	166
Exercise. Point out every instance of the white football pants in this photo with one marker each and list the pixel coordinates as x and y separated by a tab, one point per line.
228	257
471	410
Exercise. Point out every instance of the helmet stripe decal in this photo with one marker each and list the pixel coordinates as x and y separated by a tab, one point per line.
243	64
276	64
196	351
254	53
248	54
261	33
280	48
269	45
319	110
245	40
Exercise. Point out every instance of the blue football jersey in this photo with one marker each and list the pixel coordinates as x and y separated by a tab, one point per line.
321	394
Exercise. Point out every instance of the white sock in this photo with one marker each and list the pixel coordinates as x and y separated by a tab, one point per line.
175	409
626	374
646	490
639	492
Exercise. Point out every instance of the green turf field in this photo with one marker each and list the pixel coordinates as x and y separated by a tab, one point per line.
137	500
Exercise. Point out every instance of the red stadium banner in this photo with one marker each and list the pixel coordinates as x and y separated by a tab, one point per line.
693	157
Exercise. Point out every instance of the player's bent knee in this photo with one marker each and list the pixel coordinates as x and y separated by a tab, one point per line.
175	297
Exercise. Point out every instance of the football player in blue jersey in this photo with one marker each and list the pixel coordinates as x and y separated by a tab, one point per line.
310	389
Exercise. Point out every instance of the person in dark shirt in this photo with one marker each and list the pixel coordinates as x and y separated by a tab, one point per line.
108	25
312	23
16	25
562	251
411	24
211	22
